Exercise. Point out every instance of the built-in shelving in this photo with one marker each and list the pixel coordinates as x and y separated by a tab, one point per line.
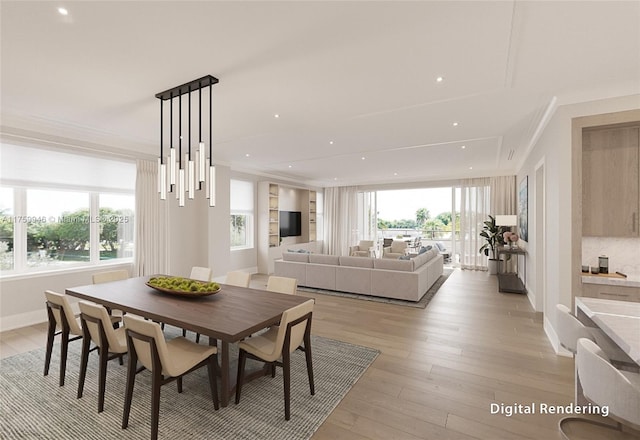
312	216
274	219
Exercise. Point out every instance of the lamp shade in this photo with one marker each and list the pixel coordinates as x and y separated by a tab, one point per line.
506	220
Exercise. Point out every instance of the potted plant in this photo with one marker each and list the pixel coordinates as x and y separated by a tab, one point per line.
494	237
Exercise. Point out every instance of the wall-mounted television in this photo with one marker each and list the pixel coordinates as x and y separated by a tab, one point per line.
290	223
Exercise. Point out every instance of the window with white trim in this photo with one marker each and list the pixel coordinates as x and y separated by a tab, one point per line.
60	210
242	214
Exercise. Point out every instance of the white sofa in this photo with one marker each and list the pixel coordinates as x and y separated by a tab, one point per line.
384	277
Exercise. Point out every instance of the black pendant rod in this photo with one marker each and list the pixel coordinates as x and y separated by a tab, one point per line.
189	125
161	135
210	129
199	112
180	130
171	123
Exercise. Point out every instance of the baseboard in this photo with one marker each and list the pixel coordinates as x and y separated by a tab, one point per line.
20	320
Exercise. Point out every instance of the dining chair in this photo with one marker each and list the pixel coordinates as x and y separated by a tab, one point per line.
282	285
107	277
200	273
237	278
111	343
166	360
61	316
278	343
605	386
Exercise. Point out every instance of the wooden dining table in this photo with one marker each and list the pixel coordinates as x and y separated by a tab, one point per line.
229	315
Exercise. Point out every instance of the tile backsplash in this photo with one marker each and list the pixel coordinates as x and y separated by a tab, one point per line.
623	253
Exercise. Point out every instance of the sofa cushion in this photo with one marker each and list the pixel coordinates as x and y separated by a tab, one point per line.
356	262
324	259
295	256
391	264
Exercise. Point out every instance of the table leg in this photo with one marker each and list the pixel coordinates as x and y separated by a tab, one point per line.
224	375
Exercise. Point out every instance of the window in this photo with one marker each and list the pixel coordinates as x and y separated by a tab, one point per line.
59	210
6	228
241	225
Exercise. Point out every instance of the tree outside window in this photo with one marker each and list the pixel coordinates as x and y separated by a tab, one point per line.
238	225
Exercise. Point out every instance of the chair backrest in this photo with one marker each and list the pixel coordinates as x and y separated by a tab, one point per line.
398	246
605	385
387	242
112	275
136	326
569	328
364	245
297	330
62	302
237	278
98	312
282	285
200	273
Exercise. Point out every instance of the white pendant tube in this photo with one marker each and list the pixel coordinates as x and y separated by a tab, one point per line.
181	188
172	166
212	185
191	178
162	172
202	163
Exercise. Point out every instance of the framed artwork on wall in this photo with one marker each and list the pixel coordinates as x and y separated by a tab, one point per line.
523	209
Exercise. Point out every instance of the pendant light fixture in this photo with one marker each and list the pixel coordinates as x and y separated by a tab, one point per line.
180	173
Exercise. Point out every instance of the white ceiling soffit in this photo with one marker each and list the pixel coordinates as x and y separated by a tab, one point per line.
347	79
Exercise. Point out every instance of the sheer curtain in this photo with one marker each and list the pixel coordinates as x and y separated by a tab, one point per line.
151	222
479	198
340	219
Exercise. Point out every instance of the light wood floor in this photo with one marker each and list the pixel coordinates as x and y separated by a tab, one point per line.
439	369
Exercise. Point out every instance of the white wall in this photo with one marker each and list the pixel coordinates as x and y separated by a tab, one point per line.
554	148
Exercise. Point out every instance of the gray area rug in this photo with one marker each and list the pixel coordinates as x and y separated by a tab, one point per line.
33	406
447	271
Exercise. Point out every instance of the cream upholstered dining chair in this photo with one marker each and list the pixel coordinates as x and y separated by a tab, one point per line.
60	315
237	278
279	342
107	277
282	285
200	274
606	387
166	360
110	343
397	249
363	249
112	275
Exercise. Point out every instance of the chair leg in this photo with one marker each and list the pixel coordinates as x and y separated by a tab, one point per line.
307	354
242	358
212	368
197	338
286	373
156	383
128	394
64	345
184	333
84	359
102	378
179	383
51	332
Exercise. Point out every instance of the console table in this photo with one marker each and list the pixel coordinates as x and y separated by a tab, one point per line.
511	282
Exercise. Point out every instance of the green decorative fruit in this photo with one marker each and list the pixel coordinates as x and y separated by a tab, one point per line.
180	284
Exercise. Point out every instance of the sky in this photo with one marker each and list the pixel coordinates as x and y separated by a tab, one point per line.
403	204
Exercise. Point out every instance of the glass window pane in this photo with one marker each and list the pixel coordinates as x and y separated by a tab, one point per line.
116	226
238	230
6	229
57	228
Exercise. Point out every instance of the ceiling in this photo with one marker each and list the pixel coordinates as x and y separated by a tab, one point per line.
354	83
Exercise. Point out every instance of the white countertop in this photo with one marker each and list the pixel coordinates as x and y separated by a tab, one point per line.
632	280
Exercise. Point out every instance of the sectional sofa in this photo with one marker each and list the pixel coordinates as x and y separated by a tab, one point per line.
399	279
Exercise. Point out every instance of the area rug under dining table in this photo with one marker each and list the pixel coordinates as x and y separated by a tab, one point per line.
33	406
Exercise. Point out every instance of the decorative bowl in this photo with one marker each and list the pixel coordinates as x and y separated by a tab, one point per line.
184	290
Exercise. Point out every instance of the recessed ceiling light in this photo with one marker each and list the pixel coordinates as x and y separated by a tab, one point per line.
439	79
470	168
455	124
395	174
276	116
330	142
290	166
247	155
363	158
463	147
335	178
63	11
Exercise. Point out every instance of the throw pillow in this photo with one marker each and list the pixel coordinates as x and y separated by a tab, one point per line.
404	257
422	250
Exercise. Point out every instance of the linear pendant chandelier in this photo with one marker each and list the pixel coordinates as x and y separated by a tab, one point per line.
183	171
